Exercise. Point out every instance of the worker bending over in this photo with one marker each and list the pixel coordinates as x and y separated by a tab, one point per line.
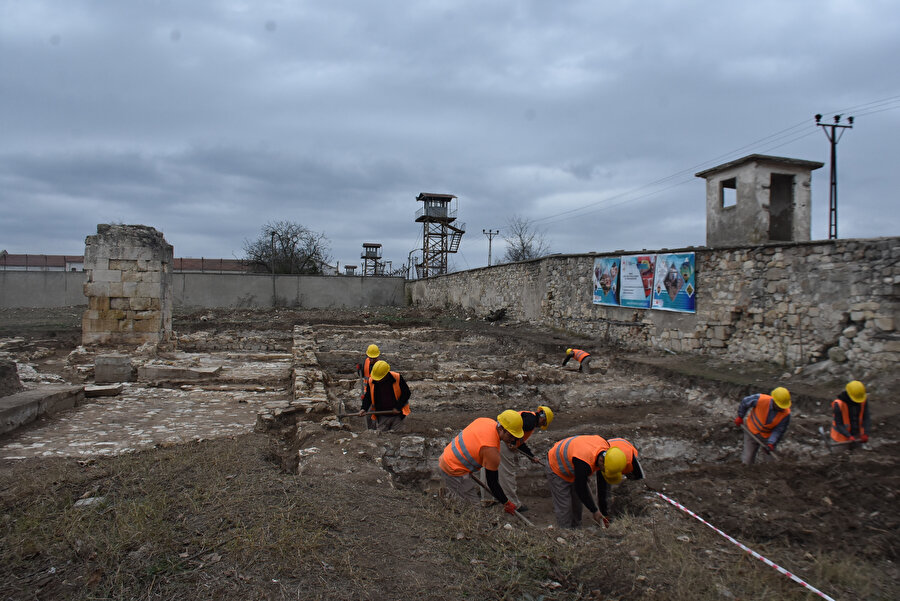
386	391
768	416
476	447
570	463
850	421
364	370
509	456
583	358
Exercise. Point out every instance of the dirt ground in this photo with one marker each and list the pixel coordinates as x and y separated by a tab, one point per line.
802	507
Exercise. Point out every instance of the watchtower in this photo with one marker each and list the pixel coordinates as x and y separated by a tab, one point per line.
349	269
371	256
758	199
439	236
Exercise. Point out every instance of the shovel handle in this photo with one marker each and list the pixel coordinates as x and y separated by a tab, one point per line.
487	488
368	414
759	440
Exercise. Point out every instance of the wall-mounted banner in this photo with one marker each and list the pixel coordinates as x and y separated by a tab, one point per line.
636	281
675	286
606	280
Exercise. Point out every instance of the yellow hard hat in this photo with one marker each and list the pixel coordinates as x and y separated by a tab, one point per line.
380	370
856	391
782	397
512	422
372	351
548	413
569	351
613	464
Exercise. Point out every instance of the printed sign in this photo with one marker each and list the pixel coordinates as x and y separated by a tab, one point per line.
675	286
636	281
606	281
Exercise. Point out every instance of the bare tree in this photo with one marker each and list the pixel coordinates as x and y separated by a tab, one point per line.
288	247
523	240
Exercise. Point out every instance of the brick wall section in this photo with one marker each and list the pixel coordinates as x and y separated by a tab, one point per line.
791	304
128	271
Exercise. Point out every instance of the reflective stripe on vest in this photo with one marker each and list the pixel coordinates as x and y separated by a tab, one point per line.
845	413
627	448
587	448
756	419
580	354
464	453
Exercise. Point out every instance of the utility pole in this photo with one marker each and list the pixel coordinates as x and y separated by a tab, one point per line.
490	234
834	136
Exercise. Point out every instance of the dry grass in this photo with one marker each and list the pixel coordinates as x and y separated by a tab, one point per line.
216	520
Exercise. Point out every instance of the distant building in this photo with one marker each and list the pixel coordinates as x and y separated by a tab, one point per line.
10	262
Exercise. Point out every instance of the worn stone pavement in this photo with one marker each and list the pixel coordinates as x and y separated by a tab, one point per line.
145	416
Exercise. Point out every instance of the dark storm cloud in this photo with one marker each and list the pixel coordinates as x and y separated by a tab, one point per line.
208	119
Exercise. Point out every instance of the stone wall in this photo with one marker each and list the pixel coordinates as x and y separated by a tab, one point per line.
128	270
792	304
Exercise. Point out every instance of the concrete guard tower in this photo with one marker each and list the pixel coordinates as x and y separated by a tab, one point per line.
439	236
371	257
758	199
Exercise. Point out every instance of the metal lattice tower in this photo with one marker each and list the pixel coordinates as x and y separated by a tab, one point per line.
370	256
439	236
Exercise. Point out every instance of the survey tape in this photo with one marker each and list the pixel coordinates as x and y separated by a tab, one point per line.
747	549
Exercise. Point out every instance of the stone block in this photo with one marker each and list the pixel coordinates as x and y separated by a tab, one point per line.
885	324
113	368
105	275
98	303
9	378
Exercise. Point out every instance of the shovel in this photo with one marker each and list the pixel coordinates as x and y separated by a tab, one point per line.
518	450
759	440
487	488
832	443
392	412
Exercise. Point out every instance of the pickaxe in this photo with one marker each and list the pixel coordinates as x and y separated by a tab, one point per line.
833	443
760	441
487	488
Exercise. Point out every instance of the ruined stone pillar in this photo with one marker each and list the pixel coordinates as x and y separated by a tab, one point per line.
128	286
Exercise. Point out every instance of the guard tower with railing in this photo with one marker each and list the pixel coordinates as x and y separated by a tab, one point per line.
440	236
371	256
350	269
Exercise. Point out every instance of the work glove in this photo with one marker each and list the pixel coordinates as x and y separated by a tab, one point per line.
738	421
864	438
510	508
852	439
771	447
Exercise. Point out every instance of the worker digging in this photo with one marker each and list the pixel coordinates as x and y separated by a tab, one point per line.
850	420
583	358
509	455
768	416
477	446
386	398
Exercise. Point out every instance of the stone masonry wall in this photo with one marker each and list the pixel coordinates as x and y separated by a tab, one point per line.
128	286
830	302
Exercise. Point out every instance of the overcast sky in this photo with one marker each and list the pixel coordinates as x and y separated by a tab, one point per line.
208	119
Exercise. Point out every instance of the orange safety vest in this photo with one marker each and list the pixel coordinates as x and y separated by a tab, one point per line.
528	433
756	419
397	393
628	449
580	354
585	447
845	413
367	367
465	453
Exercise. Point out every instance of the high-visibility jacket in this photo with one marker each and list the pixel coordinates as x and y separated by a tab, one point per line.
465	453
580	354
585	447
629	450
845	414
756	417
397	392
367	367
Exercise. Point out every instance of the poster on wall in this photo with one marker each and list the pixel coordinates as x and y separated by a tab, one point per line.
675	286
606	281
636	281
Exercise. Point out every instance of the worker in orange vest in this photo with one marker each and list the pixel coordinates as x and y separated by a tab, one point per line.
583	358
509	456
767	419
363	370
570	463
386	391
476	447
850	422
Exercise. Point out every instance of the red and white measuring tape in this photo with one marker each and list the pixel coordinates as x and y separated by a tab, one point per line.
747	549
